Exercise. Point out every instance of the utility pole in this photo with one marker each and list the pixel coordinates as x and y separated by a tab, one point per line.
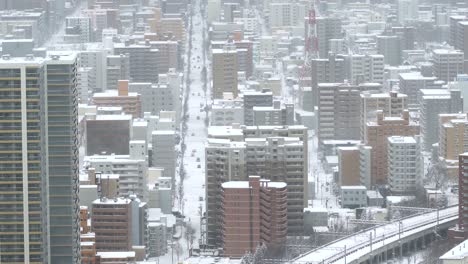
345	254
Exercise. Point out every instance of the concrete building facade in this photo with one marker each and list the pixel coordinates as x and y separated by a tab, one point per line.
224	70
405	164
377	133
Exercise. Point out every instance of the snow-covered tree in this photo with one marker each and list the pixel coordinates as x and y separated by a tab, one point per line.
257	257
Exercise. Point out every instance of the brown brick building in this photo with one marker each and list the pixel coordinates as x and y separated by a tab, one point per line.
254	212
377	133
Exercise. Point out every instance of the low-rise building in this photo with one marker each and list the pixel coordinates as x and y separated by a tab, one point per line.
353	196
456	255
374	198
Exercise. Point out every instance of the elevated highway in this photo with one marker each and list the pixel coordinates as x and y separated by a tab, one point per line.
382	242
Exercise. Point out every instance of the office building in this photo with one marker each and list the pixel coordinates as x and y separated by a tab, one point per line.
378	131
224	70
448	64
405	164
433	102
254	212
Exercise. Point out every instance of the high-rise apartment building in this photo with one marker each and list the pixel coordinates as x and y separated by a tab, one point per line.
130	102
412	82
339	110
407	11
448	64
164	155
460	232
367	68
453	35
255	99
327	28
326	70
62	154
276	115
254	212
406	35
452	140
224	70
433	102
169	55
23	158
405	164
128	220
118	68
462	198
40	158
392	104
286	14
274	153
132	172
143	61
377	133
225	161
354	165
389	47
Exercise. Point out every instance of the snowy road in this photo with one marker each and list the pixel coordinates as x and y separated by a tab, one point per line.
195	131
